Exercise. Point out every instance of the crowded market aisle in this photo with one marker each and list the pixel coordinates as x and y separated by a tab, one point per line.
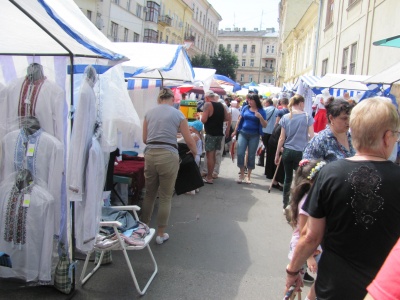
230	241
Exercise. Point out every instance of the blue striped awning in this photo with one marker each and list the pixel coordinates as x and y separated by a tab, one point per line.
137	84
287	87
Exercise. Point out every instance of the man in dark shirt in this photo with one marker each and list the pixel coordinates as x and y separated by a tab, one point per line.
213	117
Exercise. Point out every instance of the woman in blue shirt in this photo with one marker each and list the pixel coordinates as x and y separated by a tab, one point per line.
250	125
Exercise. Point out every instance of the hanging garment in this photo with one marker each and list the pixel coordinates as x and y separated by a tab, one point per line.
81	138
3	114
41	98
88	211
26	231
46	162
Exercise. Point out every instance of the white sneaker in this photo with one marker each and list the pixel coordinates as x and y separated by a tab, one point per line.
161	239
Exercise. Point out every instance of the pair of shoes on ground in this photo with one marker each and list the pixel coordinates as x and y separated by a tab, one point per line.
245	180
308	278
277	186
161	239
214	175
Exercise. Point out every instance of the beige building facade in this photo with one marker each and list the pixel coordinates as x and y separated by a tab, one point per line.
202	36
256	52
119	20
298	51
174	21
335	37
347	31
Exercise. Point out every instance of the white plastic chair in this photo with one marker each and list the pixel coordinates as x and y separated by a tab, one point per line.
121	245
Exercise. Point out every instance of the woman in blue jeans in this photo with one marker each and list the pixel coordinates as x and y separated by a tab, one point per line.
249	127
297	129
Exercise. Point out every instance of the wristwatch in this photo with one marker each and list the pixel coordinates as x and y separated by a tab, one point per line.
291	273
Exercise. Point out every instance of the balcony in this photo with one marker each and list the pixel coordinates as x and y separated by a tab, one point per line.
268	70
189	38
165	20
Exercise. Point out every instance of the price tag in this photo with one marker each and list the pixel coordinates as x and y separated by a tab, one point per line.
31	150
27	200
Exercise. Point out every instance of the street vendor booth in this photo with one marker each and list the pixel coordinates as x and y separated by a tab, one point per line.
47	50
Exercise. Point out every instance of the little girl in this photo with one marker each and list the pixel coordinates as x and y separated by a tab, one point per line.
305	176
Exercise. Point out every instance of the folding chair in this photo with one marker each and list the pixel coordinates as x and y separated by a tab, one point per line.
121	245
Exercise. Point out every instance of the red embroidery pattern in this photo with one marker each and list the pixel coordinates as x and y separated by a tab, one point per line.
31	91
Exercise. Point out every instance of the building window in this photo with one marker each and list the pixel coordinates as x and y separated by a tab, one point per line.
126	34
138	11
114	31
267	51
89	15
201	16
128	4
236	48
324	67
135	37
150	36
344	60
250	78
116	1
244	48
228	47
266	63
329	13
353	55
241	77
243	62
272	49
197	13
265	79
253	48
152	11
251	62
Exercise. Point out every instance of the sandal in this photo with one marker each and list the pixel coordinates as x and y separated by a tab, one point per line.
240	179
248	181
208	181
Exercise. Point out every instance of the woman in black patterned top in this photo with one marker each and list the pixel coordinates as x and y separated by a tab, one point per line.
354	208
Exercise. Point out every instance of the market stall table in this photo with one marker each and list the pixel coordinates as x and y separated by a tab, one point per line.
130	171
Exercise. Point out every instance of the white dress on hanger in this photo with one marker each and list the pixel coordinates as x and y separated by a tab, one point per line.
46	163
83	129
47	104
88	211
26	233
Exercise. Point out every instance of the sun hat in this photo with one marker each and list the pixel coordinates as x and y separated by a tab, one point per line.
196	125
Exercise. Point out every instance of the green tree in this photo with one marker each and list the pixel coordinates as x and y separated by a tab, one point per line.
225	62
201	61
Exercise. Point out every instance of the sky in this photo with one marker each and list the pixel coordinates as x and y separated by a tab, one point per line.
247	13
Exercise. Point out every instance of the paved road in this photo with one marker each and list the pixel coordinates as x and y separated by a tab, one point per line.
230	241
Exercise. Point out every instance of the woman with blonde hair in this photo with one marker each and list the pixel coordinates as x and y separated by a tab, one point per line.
160	127
354	208
297	128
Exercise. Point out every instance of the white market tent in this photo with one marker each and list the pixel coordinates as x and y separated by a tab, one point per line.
388	76
55	34
204	77
156	61
53	28
340	83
